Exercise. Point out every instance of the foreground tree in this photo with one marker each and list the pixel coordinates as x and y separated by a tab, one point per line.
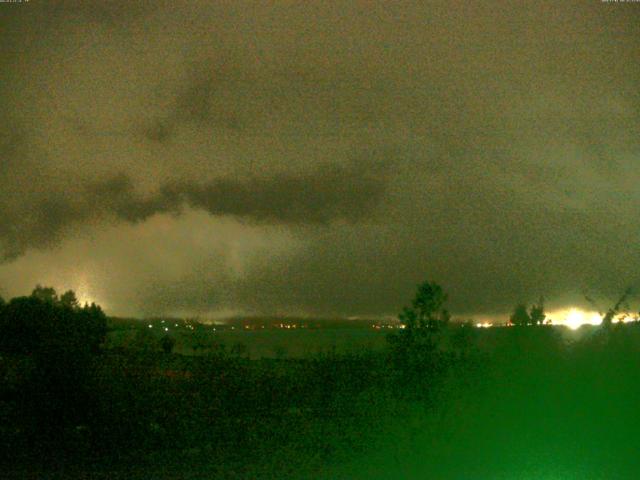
46	294
60	341
536	313
414	349
427	310
520	316
68	299
92	325
43	323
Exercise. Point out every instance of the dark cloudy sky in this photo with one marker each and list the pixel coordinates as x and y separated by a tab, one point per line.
319	157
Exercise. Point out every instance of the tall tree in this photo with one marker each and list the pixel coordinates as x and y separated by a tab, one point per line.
427	310
46	294
520	316
69	299
414	350
536	313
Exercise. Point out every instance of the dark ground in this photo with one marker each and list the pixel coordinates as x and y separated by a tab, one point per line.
497	404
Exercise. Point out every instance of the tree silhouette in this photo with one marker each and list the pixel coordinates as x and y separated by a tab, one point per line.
46	294
68	299
427	310
92	324
26	324
414	349
61	342
520	316
607	319
41	323
536	313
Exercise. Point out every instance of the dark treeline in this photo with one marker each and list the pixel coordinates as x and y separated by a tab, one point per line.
47	346
442	401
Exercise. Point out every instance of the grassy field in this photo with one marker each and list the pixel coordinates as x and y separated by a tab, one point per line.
485	404
256	343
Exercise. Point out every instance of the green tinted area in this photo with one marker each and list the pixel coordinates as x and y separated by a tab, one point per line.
453	402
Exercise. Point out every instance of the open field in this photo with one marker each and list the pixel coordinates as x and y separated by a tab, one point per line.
273	343
502	403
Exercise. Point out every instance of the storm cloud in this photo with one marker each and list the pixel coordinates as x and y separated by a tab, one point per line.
319	157
337	193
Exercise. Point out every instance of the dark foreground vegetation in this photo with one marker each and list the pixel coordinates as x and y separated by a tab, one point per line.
442	401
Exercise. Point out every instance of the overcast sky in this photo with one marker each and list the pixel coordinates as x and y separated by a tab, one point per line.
321	158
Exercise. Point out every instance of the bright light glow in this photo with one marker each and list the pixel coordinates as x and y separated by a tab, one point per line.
626	319
484	325
81	285
574	318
